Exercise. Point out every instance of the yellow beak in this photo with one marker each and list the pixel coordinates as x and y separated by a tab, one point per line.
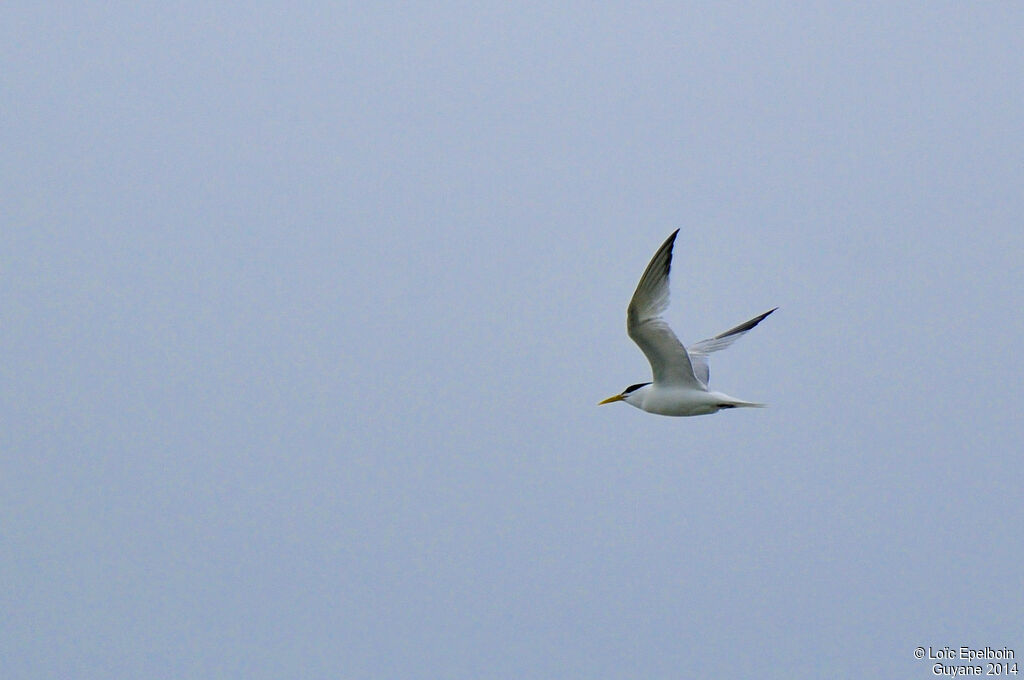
617	397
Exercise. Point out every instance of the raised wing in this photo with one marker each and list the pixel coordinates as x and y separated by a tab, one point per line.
699	350
670	363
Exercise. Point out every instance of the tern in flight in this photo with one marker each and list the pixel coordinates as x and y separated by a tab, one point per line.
680	386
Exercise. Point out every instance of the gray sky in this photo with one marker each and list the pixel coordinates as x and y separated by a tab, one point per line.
305	313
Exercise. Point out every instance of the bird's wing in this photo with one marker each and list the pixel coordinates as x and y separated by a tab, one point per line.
699	350
700	366
670	363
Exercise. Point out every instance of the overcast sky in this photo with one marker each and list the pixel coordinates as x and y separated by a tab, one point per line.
305	311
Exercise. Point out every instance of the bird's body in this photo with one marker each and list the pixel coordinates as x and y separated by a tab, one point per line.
674	400
680	385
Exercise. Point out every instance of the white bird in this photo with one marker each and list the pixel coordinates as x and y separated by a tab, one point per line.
680	386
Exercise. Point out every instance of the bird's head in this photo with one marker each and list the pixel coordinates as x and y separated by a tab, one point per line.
630	395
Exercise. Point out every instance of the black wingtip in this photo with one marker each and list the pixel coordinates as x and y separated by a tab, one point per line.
670	241
745	326
667	248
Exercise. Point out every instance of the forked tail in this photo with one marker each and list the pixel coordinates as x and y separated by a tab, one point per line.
738	403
